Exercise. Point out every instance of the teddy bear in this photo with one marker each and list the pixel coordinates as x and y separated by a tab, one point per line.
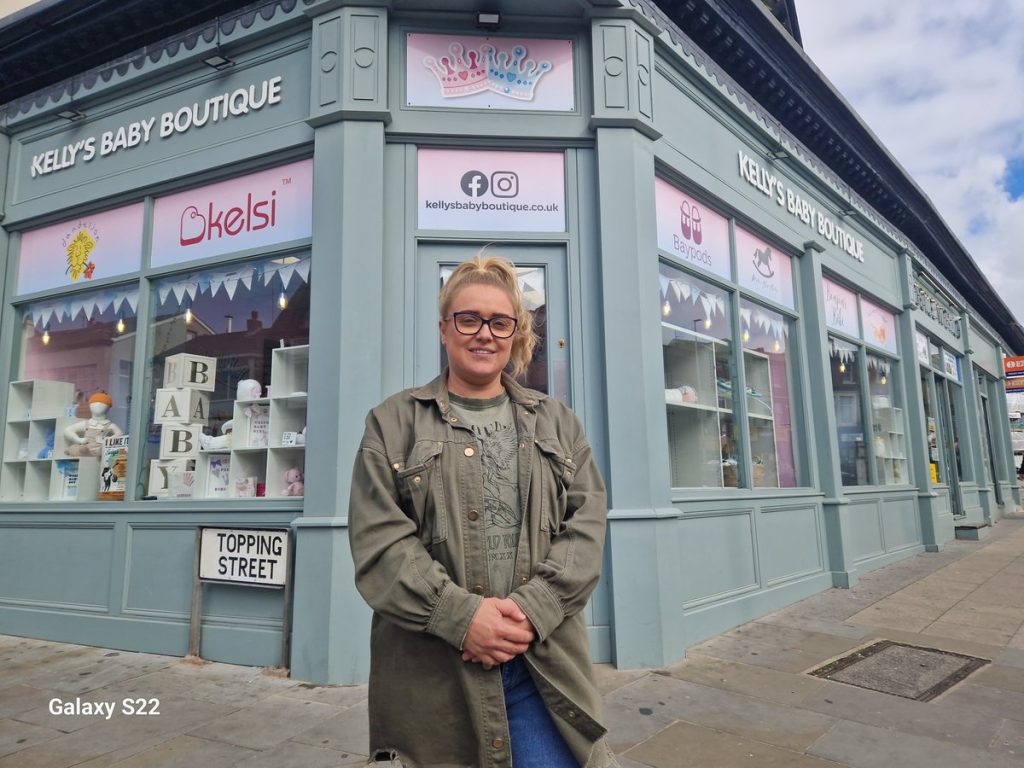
293	482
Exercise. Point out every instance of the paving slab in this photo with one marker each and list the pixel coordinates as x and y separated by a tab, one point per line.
980	698
17	699
608	678
348	731
866	746
1003	618
1009	740
266	723
186	750
630	716
684	745
985	635
291	754
341	696
776	647
762	683
1001	676
934	719
15	736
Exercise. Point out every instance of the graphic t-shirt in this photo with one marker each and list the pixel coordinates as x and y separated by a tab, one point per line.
493	423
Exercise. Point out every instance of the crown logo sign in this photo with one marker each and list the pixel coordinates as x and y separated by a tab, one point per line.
461	74
464	73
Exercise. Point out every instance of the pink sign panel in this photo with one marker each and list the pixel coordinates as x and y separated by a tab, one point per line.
879	326
763	269
690	231
489	72
254	211
840	308
491	190
74	252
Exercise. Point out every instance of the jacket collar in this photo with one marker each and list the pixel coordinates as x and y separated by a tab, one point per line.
437	390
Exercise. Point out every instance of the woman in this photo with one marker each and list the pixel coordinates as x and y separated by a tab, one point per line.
477	523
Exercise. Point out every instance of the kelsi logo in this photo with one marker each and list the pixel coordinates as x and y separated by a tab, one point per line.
220	222
689	222
763	262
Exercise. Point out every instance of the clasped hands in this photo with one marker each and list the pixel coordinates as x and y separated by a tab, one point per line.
498	633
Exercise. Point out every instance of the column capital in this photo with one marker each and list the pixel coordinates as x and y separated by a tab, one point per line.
623	75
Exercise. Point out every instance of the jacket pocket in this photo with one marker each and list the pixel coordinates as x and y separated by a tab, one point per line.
421	489
558	471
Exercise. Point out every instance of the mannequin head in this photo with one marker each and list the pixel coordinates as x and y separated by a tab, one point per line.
99	404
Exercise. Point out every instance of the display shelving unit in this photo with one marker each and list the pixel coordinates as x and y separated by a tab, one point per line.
37	408
257	446
890	446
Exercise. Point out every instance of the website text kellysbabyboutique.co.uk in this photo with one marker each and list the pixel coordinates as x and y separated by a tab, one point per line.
477	205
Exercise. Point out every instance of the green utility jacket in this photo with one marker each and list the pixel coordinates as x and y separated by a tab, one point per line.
416	528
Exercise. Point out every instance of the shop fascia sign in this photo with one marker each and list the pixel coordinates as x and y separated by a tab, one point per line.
231	104
799	206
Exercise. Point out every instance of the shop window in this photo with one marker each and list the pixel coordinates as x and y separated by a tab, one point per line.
767	365
887	430
844	362
228	363
72	391
697	349
936	470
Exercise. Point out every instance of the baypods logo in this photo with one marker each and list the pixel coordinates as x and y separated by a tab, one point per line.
217	222
689	222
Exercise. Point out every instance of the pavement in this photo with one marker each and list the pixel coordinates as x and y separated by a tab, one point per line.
743	698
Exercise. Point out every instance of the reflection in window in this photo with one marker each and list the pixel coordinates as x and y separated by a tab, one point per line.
844	363
697	348
73	391
253	320
936	471
767	368
886	424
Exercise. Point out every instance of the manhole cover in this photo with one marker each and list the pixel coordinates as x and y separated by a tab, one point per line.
902	670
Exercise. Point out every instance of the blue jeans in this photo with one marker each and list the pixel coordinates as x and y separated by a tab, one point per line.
536	742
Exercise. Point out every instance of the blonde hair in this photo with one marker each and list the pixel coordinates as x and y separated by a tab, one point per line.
493	270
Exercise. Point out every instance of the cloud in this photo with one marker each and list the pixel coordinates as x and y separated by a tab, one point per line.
940	84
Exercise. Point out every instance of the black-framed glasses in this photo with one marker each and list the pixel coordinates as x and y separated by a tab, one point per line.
470	323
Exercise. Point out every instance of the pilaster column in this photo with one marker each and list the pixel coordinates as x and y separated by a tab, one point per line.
646	577
348	108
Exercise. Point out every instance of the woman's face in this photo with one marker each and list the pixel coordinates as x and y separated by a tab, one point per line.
475	362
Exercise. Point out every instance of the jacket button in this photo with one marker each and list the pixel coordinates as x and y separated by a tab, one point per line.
417	480
469	451
454	419
473	515
498	743
524	579
479	589
396	465
572	714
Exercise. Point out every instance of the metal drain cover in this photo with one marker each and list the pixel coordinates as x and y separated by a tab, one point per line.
902	670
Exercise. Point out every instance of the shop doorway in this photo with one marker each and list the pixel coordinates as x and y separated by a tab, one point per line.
949	441
543	282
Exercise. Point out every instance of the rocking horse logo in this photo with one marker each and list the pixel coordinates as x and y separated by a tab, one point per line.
763	262
690	222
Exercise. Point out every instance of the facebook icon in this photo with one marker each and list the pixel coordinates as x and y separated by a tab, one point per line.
474	183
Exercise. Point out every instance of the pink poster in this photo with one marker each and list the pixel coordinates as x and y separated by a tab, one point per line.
879	326
92	247
488	191
254	211
489	72
690	231
763	269
840	308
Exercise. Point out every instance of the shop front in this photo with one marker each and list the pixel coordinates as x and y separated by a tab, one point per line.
212	274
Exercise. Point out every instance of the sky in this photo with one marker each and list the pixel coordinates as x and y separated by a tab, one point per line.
941	84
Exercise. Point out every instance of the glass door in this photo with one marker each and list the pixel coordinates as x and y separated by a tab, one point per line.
543	283
948	442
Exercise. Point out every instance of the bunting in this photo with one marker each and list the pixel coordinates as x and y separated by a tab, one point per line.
279	271
122	301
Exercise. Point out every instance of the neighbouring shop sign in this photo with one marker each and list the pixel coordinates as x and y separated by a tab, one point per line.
489	72
951	364
690	231
229	105
1015	385
491	190
88	248
879	326
763	269
937	307
255	211
1013	367
244	556
840	308
799	205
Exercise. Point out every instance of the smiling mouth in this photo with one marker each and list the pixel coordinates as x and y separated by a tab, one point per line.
482	351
